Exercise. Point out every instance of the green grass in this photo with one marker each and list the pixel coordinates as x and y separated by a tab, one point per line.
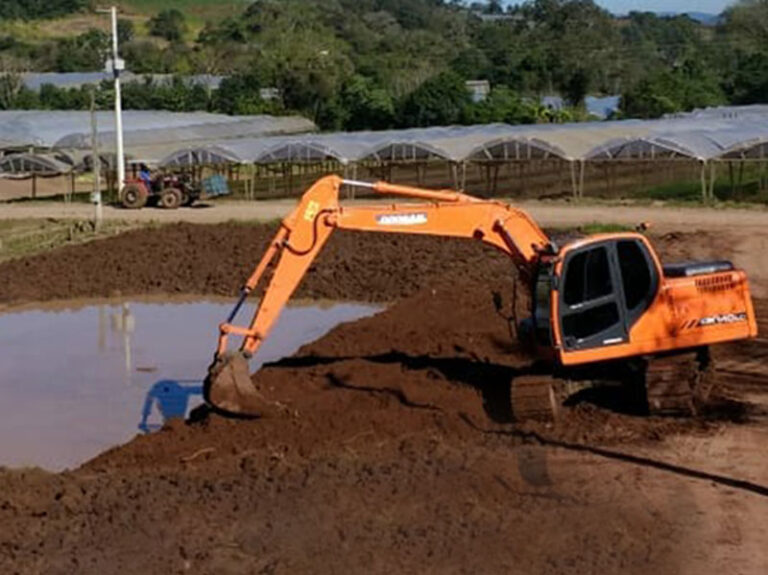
154	6
725	190
26	237
197	12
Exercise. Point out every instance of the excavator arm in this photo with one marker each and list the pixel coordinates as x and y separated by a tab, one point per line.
305	231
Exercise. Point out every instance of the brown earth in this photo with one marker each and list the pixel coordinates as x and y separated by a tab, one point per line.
391	448
215	260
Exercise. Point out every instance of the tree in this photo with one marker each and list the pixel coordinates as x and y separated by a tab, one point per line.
473	63
750	82
494	7
125	31
501	105
440	101
350	63
577	87
682	89
366	106
85	52
168	24
31	9
239	95
747	21
11	84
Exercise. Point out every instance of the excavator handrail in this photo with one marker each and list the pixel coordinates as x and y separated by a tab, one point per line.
387	188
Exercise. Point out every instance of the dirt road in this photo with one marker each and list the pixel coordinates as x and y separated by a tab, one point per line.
548	214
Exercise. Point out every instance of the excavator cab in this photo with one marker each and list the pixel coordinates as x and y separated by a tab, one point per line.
612	298
600	287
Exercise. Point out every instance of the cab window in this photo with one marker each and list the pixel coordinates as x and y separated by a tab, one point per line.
589	277
591	311
635	273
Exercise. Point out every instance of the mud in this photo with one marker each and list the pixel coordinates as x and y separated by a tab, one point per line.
216	259
392	447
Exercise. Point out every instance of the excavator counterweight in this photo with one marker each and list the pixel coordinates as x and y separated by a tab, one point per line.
597	302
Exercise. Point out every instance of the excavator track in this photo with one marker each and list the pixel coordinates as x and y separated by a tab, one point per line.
679	384
674	385
536	397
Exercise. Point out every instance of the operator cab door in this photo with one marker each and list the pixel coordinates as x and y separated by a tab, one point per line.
606	287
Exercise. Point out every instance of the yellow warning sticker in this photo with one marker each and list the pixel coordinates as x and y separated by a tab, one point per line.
311	211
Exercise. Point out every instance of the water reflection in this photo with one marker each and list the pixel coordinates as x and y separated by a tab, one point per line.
172	400
124	323
75	382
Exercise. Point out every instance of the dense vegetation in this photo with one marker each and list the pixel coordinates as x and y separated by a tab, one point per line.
29	9
358	64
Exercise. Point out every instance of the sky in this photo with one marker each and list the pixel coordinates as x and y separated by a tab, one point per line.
624	6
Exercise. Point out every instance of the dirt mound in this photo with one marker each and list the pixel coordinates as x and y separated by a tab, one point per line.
217	259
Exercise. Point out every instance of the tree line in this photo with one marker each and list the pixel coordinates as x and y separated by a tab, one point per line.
33	9
374	64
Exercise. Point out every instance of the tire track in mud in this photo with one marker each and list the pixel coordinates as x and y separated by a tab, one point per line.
623	456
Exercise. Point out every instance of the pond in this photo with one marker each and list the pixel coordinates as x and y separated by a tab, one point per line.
77	381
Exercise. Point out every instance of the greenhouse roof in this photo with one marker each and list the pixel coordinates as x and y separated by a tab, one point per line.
43	164
72	129
171	139
694	137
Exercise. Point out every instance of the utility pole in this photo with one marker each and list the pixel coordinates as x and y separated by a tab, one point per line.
115	66
96	162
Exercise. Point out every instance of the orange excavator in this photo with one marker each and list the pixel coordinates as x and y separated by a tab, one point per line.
603	310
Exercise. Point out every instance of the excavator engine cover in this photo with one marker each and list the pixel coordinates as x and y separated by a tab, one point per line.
228	388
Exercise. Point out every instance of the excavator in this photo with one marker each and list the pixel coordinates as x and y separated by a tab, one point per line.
602	310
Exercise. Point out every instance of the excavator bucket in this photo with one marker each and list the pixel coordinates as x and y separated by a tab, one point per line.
228	388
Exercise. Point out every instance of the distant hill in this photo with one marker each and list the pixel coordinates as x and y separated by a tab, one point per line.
705	18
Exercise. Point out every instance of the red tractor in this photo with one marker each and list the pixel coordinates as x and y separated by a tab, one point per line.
167	191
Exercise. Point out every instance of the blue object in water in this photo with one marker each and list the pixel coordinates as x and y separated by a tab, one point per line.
172	400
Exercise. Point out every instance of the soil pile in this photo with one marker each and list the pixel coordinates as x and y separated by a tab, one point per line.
217	259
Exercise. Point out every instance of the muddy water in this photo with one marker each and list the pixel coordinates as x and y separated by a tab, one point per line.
75	382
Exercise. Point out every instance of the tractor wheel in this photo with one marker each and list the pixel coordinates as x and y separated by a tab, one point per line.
186	198
170	199
133	196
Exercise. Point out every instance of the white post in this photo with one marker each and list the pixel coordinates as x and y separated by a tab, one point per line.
117	67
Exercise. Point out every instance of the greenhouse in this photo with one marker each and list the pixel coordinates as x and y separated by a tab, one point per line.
287	149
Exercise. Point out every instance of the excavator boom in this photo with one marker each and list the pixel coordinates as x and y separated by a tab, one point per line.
305	231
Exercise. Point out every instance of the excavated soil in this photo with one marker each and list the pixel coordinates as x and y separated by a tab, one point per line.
390	445
216	259
204	259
